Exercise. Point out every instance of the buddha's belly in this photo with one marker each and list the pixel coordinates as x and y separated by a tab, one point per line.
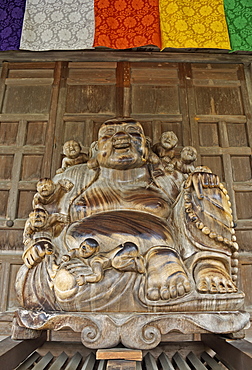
98	199
112	228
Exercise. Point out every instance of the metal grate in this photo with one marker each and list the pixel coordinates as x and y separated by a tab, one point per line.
77	362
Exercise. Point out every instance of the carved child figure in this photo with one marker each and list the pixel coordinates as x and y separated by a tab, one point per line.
48	192
38	231
165	148
125	257
73	155
185	163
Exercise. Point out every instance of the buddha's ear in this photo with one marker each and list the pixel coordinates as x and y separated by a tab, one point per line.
147	150
93	149
93	164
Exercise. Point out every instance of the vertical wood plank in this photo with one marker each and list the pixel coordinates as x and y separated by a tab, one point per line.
47	162
16	170
224	142
246	89
123	89
4	285
184	76
59	129
193	123
126	90
4	74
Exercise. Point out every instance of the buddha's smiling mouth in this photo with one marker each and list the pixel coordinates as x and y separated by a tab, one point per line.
121	144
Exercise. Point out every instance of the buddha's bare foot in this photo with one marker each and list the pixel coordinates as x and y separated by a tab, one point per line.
211	276
166	278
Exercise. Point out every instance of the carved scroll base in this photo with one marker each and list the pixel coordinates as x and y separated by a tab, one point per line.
105	330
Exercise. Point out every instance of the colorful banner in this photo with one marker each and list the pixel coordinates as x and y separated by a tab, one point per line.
125	24
193	24
11	21
239	20
58	25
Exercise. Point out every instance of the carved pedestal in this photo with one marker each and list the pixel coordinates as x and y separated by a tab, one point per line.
133	330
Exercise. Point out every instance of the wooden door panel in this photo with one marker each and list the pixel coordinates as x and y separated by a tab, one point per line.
8	271
26	135
8	133
31	167
155	100
241	168
244	204
36	133
24	203
84	131
245	281
12	302
154	89
244	238
6	163
4	194
91	88
90	99
237	134
79	131
208	134
11	239
218	100
221	130
27	99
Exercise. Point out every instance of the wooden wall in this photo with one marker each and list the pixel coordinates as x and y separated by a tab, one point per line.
207	104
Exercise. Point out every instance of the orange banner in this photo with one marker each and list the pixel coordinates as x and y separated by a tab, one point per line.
124	24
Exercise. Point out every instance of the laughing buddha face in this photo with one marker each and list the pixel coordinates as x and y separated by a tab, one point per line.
122	144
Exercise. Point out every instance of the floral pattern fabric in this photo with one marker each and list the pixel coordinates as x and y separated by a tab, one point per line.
193	24
239	20
58	25
11	20
123	24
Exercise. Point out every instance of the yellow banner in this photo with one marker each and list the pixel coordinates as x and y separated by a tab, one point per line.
193	24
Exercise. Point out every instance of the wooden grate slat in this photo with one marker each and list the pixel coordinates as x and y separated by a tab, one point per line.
59	362
211	362
29	361
165	362
77	361
195	362
102	365
180	362
74	362
44	362
150	362
89	362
